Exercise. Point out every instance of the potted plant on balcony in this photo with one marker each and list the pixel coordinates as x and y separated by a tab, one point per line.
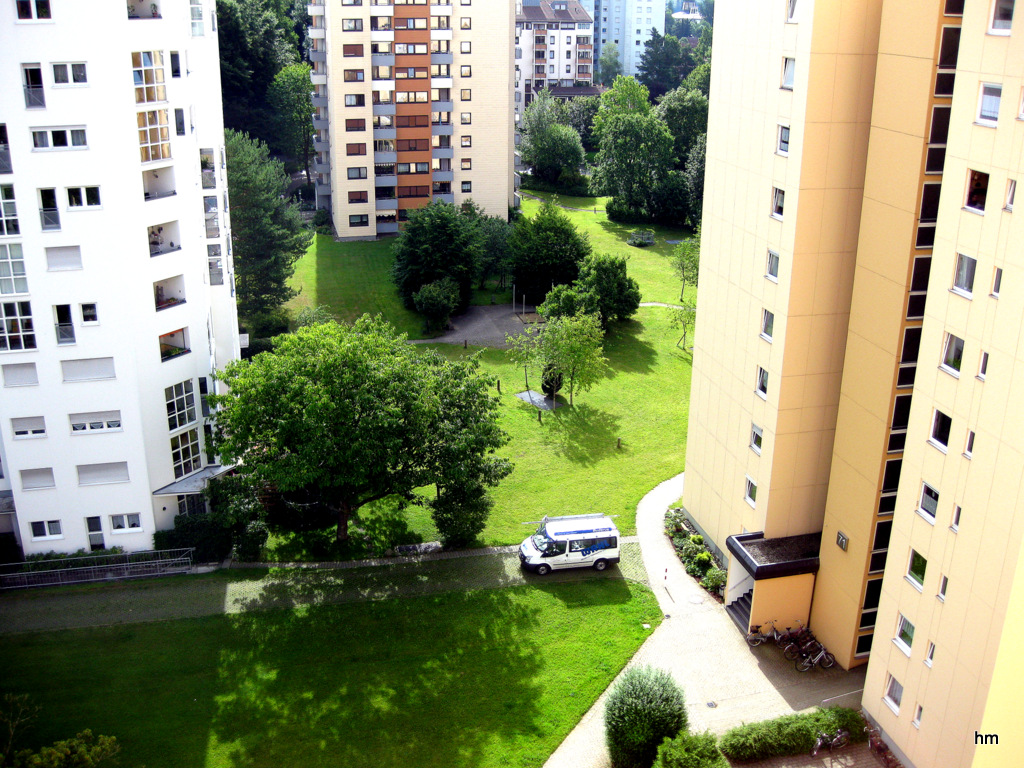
154	9
131	12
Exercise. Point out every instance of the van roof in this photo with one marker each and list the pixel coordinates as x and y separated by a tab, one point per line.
579	525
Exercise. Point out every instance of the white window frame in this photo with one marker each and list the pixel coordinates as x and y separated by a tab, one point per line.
957	512
90	423
125	523
49	526
893	694
964	274
949	348
95	312
997	282
910	577
943	586
904	627
791	6
929	497
929	656
767	324
1011	191
28	427
990	95
982	366
750	491
761	385
969	444
788	73
83	193
916	722
43	138
756	438
779	150
35	6
933	439
12	270
1000	27
773	260
71	74
778	203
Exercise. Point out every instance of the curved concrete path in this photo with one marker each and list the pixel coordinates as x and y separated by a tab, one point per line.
703	650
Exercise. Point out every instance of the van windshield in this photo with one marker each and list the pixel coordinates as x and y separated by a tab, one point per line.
547	546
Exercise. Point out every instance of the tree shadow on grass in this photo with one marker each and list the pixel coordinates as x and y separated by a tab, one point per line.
583	434
428	682
626	351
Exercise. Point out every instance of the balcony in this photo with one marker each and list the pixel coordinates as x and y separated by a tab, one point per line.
169	293
319	101
65	333
212	220
443	152
316	8
386	204
146	11
387	227
321	146
163	238
157	184
385	133
34	97
385	157
321	123
318	78
442	58
323	189
316	56
317	33
174	344
319	167
384	109
444	197
50	219
442	129
443	176
5	159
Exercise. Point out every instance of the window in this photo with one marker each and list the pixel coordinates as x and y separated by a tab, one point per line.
466	46
983	366
215	264
893	694
12	270
943	584
355	100
953	355
919	287
179	129
783	146
969	446
16	329
354	75
95	421
916	569
83	197
125	523
185	455
29	426
351	25
70	74
904	634
101	474
788	72
154	135
359	220
466	163
357	173
929	502
988	103
929	656
466	94
358	197
47	530
355	125
1002	17
90	369
355	149
750	491
8	211
352	50
191	504
977	191
175	64
955	525
58	138
997	282
466	118
148	73
20	375
467	141
181	405
32	479
963	279
940	430
916	722
467	186
756	438
772	268
34	10
465	22
466	70
196	13
35	96
767	324
762	382
778	202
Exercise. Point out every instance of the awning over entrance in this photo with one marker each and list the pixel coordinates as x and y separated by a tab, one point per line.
194	483
771	558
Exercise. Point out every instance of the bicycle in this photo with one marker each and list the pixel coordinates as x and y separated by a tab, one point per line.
880	748
822	657
808	646
840	740
792	635
757	635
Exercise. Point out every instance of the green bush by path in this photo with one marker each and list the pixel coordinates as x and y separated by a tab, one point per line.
644	708
691	750
459	680
789	734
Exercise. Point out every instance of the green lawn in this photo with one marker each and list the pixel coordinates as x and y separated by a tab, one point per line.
473	679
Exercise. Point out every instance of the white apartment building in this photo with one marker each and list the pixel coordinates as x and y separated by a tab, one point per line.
627	24
554	48
116	288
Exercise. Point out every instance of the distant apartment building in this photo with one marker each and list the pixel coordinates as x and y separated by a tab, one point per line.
413	103
116	288
627	24
554	48
857	383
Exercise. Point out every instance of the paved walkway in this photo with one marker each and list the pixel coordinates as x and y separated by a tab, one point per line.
481	326
726	682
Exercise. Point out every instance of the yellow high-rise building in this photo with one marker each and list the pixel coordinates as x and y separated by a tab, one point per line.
851	449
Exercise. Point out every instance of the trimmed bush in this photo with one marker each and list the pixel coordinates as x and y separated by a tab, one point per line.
248	544
691	750
700	564
714	579
790	734
645	707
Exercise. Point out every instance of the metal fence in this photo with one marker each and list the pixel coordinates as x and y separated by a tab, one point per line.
81	570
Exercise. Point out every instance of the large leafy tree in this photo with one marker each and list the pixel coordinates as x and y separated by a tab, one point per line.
547	250
570	346
699	79
354	414
267	232
608	65
603	289
663	64
636	153
581	113
625	97
550	147
685	113
495	251
291	102
694	178
438	241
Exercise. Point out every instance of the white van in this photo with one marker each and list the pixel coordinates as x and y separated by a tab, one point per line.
571	541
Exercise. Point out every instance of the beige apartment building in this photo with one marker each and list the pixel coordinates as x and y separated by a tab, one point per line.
413	103
857	367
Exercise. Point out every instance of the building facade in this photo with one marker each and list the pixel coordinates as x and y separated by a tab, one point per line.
413	103
627	24
554	48
116	288
850	448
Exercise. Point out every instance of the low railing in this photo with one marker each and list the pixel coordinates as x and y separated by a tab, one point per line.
159	195
80	570
34	96
50	218
170	351
5	160
65	333
209	179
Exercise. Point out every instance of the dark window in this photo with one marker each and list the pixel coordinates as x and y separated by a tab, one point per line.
954	8
872	594
358	197
930	202
883	531
175	64
355	149
940	125
352	50
864	644
891	476
949	47
911	345
918	287
355	125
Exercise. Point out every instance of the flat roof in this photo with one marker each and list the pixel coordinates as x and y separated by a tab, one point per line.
580	526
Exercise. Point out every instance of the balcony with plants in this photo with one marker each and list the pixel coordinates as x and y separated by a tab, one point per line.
164	238
174	344
144	11
169	292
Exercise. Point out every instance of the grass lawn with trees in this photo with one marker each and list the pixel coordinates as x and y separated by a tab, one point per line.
485	678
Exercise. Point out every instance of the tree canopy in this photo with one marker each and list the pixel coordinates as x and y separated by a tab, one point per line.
685	114
550	147
663	64
356	414
608	65
625	97
581	113
267	232
694	177
636	153
291	103
547	250
439	241
603	289
570	346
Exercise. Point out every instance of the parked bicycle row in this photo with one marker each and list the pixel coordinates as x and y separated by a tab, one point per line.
798	644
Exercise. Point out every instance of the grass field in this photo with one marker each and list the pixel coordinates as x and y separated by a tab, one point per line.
473	679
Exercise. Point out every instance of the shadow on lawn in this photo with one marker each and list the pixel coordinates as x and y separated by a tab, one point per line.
626	351
314	688
583	434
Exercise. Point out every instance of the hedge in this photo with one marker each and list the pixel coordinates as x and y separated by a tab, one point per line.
789	734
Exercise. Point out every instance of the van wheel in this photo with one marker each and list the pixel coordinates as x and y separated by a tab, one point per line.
543	569
600	565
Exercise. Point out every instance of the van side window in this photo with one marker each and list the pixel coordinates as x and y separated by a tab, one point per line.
578	544
554	548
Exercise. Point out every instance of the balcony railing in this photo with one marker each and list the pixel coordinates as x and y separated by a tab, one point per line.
5	159
159	195
212	225
50	218
209	179
65	333
34	96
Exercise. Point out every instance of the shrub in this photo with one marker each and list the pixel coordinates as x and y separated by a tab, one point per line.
322	218
460	513
436	301
268	324
620	212
206	533
789	734
697	539
645	707
46	561
689	549
691	750
714	580
700	564
247	545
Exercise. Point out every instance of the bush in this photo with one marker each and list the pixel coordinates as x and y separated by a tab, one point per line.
790	734
322	218
256	346
268	324
436	301
206	533
460	513
700	564
691	750
714	580
618	211
691	548
645	707
248	544
45	561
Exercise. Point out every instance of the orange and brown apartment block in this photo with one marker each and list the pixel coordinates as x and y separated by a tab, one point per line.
413	103
854	448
